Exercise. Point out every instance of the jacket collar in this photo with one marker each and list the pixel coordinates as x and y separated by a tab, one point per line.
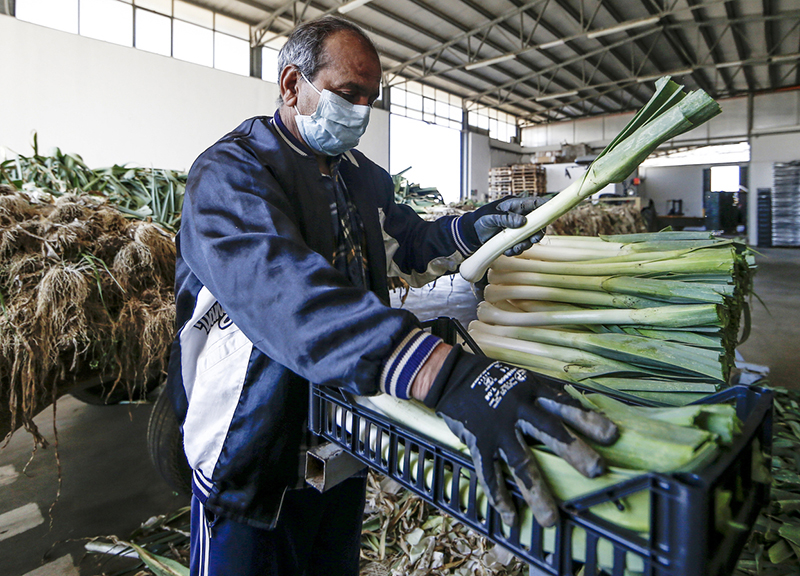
301	147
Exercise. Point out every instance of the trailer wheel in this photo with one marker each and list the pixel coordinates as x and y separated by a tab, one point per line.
165	445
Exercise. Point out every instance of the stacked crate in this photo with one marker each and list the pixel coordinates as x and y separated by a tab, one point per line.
499	182
786	204
517	179
528	180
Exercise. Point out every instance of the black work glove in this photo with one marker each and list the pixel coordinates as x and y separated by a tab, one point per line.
489	405
508	213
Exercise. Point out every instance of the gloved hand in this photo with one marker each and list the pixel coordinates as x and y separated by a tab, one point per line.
508	213
489	405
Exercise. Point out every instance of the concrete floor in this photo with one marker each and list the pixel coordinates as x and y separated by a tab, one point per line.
775	338
110	487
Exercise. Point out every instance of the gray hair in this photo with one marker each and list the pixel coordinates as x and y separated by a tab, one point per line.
304	46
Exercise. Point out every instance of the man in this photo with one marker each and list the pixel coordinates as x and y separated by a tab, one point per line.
286	240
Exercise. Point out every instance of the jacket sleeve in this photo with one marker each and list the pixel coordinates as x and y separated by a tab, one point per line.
420	251
239	239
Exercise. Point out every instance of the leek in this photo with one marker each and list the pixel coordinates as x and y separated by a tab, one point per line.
629	350
665	316
669	112
495	292
572	358
646	289
710	261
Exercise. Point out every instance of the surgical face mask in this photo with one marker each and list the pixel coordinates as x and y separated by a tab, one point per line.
335	126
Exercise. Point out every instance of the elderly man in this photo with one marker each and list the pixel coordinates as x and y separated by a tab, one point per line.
287	237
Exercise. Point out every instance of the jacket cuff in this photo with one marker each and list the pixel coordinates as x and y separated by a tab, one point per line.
463	230
402	366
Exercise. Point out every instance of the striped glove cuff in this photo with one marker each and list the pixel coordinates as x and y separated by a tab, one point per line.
404	363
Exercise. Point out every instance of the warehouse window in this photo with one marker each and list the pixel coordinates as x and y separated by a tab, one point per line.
420	102
431	151
231	54
501	125
58	14
108	20
167	27
192	43
725	178
153	32
269	64
192	14
160	6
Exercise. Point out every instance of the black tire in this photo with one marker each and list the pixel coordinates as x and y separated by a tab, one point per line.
165	445
107	394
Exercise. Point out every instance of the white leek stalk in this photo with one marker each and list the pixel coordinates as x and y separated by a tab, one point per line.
676	316
669	113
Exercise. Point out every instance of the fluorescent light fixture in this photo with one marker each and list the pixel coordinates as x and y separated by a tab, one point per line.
554	96
352	5
729	64
624	26
785	57
490	61
552	44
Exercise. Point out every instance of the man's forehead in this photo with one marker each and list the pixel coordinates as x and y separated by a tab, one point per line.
346	47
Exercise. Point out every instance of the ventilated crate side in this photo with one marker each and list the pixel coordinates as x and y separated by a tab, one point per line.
683	539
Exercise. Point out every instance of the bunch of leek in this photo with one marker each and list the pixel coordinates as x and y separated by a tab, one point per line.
669	113
650	315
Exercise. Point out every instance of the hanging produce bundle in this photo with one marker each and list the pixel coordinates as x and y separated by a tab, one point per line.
86	277
85	293
656	316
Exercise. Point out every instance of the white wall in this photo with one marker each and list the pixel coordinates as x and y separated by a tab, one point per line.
480	160
764	151
114	104
505	157
663	183
775	138
773	133
375	142
731	125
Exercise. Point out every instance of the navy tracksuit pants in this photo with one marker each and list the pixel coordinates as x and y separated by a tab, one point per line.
316	535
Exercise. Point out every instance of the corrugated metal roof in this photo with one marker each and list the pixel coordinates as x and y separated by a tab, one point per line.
545	60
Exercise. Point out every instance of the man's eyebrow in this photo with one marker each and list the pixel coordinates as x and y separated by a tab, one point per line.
354	85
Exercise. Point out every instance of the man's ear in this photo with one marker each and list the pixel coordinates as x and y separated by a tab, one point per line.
290	76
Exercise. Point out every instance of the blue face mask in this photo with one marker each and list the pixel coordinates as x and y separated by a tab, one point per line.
335	126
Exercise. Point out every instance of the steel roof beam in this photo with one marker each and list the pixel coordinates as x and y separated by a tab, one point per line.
712	44
401	42
474	31
427	73
742	49
768	9
674	34
442	73
539	21
615	52
544	24
562	64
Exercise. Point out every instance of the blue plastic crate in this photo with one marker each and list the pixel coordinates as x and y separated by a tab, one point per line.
682	540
